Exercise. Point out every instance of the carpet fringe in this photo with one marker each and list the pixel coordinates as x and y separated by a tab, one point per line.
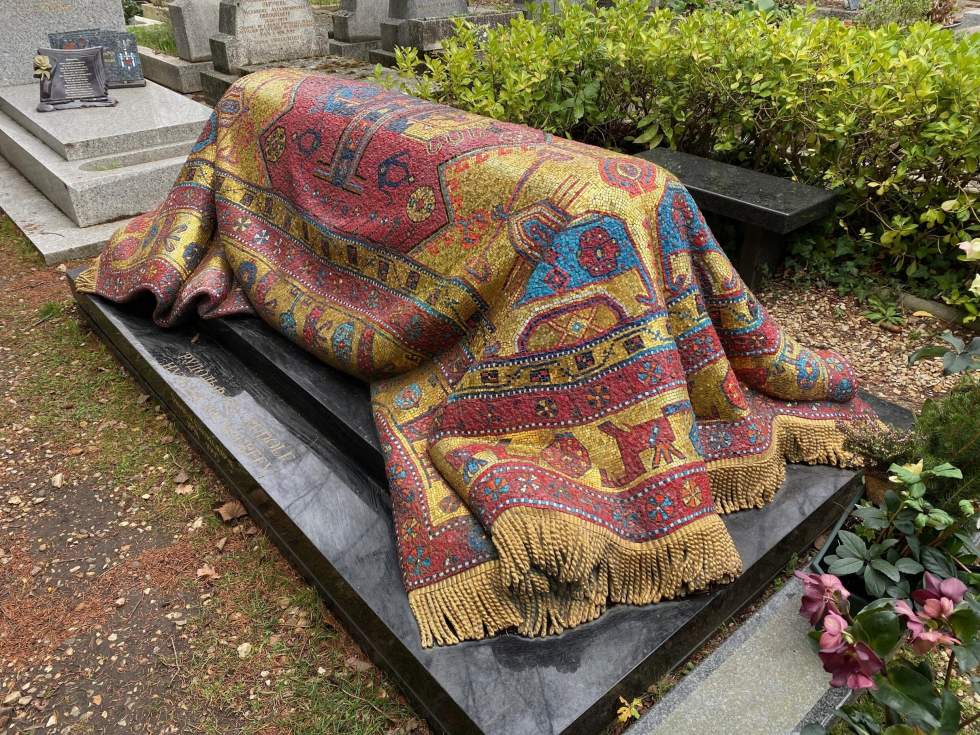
86	280
751	482
517	592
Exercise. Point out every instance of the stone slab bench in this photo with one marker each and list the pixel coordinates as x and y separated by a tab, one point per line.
768	208
295	440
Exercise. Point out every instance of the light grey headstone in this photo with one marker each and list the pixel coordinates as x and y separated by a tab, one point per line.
359	20
194	22
260	31
426	8
27	23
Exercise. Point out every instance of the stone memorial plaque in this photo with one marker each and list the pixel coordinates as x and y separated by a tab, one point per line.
71	78
119	53
260	31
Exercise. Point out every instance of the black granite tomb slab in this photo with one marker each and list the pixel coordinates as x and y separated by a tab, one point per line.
770	202
294	439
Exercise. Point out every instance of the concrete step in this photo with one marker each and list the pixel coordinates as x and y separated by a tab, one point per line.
145	116
55	236
94	190
764	680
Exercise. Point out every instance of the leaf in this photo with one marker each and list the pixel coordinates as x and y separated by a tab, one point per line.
872	517
180	478
230	511
965	622
358	664
244	650
946	470
879	627
909	693
937	562
949	714
907	565
846	566
926	353
186	489
887	569
853	544
207	574
967	656
875	582
58	480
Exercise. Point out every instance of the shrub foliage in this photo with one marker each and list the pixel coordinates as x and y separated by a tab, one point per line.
889	117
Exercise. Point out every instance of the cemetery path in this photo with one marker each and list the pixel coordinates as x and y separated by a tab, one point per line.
127	605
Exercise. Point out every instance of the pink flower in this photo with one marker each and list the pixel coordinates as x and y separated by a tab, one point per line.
937	609
832	638
820	593
922	635
852	665
935	588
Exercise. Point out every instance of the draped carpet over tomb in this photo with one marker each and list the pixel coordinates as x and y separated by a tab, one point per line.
569	379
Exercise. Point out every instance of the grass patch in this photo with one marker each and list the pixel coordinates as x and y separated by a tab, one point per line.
159	37
93	423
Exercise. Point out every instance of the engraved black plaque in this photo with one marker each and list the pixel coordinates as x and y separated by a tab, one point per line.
119	53
71	79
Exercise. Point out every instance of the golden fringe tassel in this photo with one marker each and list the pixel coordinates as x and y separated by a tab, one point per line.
468	606
557	571
85	281
751	482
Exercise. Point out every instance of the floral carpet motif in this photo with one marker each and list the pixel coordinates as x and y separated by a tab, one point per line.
569	380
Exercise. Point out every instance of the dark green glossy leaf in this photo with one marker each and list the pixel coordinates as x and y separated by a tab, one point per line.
853	544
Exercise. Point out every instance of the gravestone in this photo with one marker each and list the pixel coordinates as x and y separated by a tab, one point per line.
356	27
95	165
194	22
262	31
423	24
119	53
27	23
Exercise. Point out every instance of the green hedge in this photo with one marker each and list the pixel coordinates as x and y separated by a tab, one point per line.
889	117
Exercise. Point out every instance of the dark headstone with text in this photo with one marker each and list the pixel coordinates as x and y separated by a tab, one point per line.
71	78
119	53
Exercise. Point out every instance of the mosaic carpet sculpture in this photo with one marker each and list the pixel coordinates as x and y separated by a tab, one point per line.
569	379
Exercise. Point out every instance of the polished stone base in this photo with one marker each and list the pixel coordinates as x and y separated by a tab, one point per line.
295	440
173	72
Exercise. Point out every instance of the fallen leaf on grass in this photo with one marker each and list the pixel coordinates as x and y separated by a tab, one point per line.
220	544
231	511
75	451
58	480
181	478
184	489
358	665
143	398
207	574
245	650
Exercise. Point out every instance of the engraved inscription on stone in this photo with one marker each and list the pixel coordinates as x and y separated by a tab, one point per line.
271	26
78	79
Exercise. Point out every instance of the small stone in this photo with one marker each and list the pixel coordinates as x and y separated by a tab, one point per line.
120	601
58	480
